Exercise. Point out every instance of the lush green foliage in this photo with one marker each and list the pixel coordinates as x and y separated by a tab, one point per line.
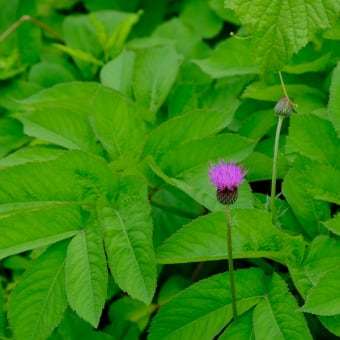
111	114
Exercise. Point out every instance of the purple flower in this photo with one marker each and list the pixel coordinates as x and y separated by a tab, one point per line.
227	175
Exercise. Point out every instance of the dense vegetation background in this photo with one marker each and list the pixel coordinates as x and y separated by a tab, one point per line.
111	114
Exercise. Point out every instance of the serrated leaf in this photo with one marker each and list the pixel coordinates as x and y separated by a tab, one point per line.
61	127
154	73
324	297
202	310
117	123
185	128
280	28
35	194
276	316
253	236
127	229
74	96
86	274
241	328
334	99
38	302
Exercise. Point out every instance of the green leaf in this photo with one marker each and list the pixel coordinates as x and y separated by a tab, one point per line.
333	224
308	211
202	310
195	183
276	316
223	146
86	274
38	302
307	136
117	123
241	328
209	23
117	73
35	194
334	100
322	182
284	27
324	297
74	96
323	257
11	136
230	58
61	127
185	128
127	229
254	236
155	71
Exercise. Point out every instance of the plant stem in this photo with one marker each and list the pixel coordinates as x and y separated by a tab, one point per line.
274	173
25	18
230	263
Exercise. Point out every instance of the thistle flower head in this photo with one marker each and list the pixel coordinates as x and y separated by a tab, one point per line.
227	175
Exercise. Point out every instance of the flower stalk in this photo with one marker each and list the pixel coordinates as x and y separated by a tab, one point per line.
227	177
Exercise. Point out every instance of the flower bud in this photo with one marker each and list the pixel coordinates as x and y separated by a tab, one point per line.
283	107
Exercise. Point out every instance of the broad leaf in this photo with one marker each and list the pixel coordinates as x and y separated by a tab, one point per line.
117	123
308	211
333	224
324	297
253	236
35	194
59	126
38	302
307	136
86	273
185	128
280	28
127	229
276	316
230	58
202	310
155	71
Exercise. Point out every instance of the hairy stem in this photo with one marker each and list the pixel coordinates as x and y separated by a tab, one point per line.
231	264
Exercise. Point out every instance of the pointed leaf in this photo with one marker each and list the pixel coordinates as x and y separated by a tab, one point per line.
333	224
284	27
324	297
202	310
117	123
241	328
86	274
127	229
38	302
253	235
276	316
155	71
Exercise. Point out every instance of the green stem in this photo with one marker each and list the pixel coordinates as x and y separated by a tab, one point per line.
230	263
274	173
